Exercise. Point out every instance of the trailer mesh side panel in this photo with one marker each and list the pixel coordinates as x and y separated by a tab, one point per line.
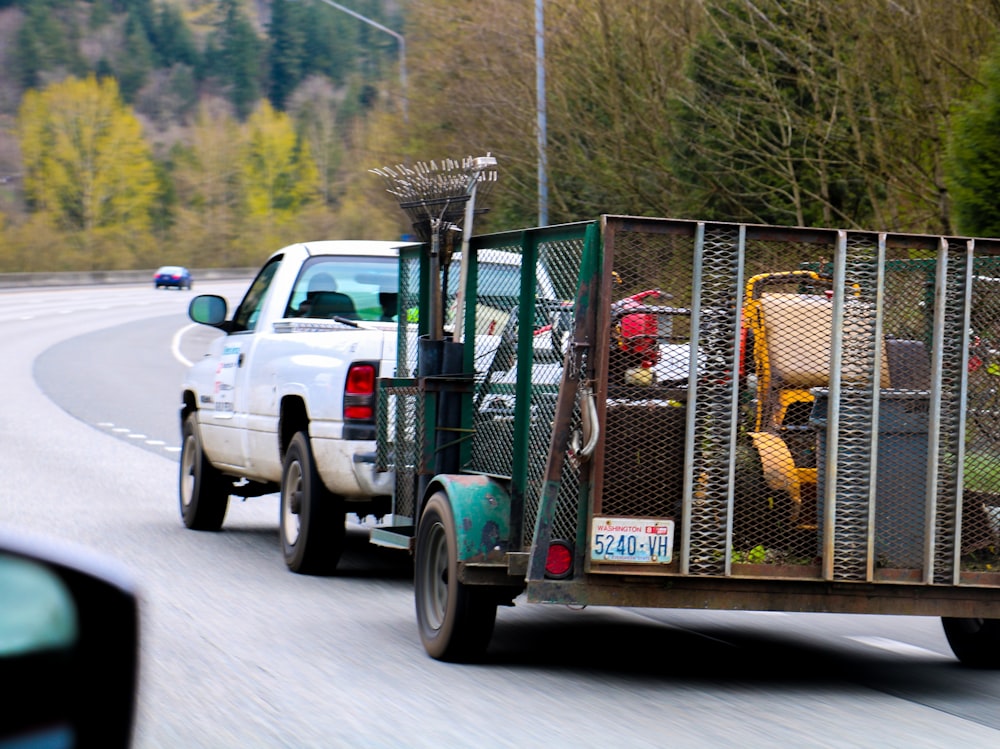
711	474
508	440
953	368
400	409
857	411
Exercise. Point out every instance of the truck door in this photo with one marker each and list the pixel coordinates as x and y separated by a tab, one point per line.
227	426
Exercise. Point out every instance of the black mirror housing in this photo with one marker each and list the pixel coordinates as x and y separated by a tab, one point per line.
72	682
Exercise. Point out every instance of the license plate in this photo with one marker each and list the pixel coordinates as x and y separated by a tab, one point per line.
632	540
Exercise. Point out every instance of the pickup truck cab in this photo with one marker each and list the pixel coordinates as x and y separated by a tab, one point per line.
284	401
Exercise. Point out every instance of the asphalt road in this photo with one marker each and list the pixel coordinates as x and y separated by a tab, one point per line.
238	652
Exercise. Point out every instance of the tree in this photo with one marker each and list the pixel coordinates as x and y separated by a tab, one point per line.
762	134
136	60
313	105
287	53
208	177
172	38
279	174
239	57
973	158
43	43
86	163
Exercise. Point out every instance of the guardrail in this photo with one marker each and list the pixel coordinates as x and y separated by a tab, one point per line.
101	277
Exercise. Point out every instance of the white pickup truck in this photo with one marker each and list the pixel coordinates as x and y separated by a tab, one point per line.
285	400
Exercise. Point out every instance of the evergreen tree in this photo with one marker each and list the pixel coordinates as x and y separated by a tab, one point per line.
287	51
41	43
172	38
239	55
136	60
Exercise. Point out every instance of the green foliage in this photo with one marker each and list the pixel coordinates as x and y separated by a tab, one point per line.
796	112
238	62
762	136
44	42
136	60
974	156
172	38
288	49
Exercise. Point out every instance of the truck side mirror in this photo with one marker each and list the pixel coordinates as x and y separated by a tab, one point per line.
69	627
208	309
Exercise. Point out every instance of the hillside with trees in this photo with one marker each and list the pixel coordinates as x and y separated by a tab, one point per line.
204	132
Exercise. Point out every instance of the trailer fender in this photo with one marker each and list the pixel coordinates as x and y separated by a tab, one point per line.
481	507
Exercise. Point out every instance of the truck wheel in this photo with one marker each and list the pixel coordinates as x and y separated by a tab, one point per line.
312	518
975	642
456	620
204	489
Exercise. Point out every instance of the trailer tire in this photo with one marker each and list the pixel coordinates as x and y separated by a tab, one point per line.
455	620
312	523
975	642
203	488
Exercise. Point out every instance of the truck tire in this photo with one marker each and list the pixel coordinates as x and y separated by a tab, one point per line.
975	642
456	620
312	518
204	489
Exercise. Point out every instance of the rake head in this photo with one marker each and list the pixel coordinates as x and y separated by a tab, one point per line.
434	194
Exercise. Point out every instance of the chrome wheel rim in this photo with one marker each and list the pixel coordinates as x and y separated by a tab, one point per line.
291	499
187	470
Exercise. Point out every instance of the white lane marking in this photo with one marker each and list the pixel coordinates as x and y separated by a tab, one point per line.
134	436
121	430
175	345
172	449
155	443
894	646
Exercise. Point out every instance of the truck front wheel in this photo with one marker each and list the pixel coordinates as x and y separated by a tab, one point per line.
204	490
975	642
312	517
456	620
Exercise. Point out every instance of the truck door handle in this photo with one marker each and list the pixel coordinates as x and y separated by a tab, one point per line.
239	361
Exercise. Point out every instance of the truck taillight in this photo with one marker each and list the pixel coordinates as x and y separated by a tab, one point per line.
359	393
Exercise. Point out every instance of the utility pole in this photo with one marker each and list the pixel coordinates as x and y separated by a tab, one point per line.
543	160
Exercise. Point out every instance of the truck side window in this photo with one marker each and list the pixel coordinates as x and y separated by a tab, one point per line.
247	313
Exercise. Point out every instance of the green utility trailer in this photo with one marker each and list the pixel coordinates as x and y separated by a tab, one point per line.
594	438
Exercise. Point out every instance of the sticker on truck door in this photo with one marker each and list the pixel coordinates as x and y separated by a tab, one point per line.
225	381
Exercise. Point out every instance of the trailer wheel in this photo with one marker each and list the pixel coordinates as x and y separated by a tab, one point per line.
975	642
455	620
312	517
203	489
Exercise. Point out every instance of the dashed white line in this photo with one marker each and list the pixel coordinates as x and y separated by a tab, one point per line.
136	436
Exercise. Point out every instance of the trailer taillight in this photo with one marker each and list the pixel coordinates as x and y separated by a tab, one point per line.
359	393
559	560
